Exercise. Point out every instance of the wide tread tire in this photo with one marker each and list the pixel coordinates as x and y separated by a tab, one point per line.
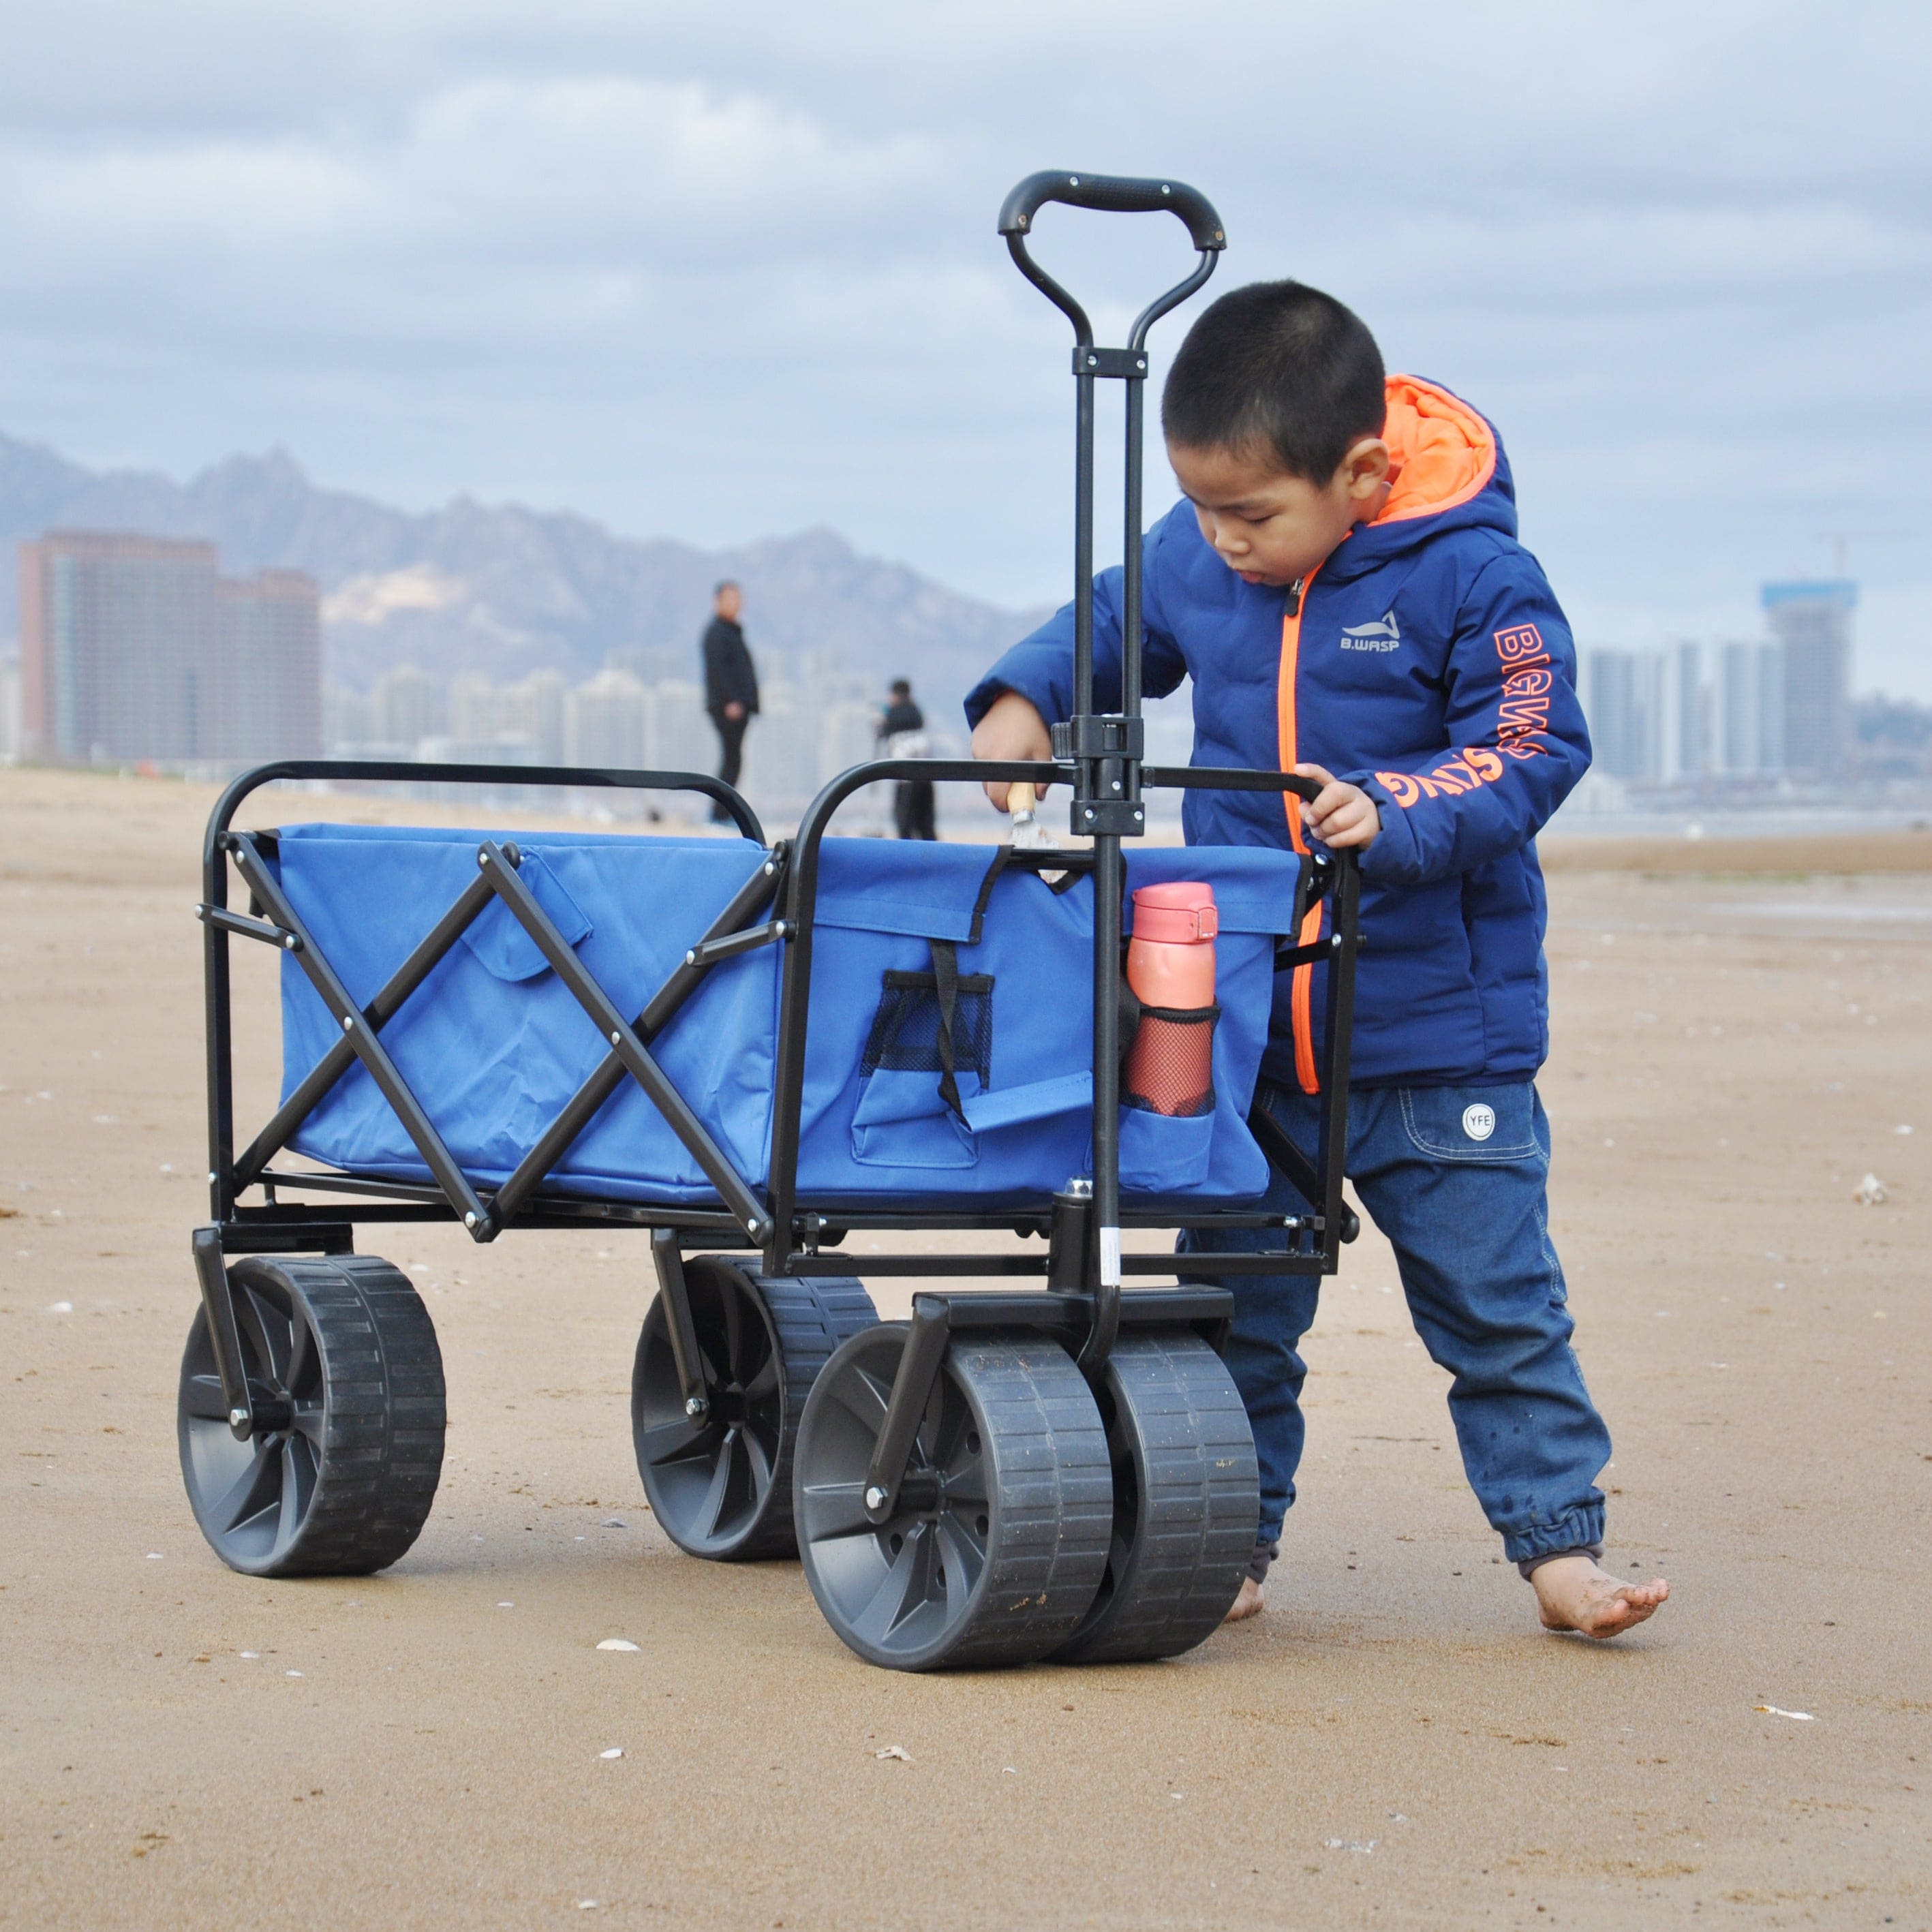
1186	1501
360	1479
1025	1513
807	1319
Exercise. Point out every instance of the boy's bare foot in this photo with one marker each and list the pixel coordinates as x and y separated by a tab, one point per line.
1575	1593
1249	1603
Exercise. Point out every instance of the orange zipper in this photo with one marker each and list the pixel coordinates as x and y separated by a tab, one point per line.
1300	1004
1302	988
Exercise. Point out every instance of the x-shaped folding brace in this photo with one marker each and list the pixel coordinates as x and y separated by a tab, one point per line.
629	1054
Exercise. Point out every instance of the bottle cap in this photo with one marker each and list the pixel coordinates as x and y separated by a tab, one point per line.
1181	913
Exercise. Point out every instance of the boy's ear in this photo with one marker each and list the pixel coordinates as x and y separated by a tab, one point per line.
1366	468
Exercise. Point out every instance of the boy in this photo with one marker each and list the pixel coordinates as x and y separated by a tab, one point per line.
1344	586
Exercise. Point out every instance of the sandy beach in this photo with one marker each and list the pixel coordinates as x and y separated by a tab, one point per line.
1741	1036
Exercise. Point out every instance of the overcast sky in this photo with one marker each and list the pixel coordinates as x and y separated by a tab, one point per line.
721	272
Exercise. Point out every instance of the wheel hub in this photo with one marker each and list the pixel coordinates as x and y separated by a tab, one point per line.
729	1406
274	1410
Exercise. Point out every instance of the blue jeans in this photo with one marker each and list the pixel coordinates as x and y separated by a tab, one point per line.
1454	1177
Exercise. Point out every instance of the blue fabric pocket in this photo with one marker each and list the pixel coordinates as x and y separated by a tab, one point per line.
503	948
1164	1154
902	1120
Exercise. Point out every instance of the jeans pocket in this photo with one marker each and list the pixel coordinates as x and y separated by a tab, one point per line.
1493	1124
1164	1154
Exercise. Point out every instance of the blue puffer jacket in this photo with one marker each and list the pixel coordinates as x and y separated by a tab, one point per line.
1426	660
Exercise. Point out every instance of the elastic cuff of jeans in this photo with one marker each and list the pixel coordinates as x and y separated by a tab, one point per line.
1578	1529
1530	1565
1265	1554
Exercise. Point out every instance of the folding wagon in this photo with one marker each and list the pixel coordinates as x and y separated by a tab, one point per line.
750	1050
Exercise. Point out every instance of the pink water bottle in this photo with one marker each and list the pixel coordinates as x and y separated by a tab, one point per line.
1170	1066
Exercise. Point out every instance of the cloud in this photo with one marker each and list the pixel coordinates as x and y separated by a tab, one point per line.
715	272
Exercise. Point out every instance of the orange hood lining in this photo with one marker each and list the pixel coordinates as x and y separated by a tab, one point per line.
1443	451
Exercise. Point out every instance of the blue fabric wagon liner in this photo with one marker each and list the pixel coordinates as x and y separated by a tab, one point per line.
493	1044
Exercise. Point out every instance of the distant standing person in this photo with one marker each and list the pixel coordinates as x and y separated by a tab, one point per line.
730	685
901	730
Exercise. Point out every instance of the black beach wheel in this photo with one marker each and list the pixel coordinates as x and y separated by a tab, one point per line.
1185	1501
346	1383
1001	1537
721	1484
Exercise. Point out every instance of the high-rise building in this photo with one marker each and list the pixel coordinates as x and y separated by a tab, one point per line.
9	707
137	647
683	738
1693	734
271	634
1624	706
536	712
348	719
404	706
1812	624
1771	707
1738	734
476	709
1750	709
606	723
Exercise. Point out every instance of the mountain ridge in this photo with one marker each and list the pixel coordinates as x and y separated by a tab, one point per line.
503	589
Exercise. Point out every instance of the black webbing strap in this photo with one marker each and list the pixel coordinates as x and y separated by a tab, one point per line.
946	984
1002	857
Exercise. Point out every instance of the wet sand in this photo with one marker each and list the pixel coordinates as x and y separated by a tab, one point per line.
1395	1742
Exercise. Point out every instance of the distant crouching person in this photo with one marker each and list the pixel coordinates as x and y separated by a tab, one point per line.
901	733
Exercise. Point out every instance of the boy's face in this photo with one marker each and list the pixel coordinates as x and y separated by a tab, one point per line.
1268	526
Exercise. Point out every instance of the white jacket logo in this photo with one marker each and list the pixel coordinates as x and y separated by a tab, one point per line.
1385	636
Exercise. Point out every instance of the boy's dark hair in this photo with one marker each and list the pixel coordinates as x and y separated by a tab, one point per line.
1279	367
723	584
901	686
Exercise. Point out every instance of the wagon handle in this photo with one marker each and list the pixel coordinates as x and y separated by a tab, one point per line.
1116	194
1106	751
1120	194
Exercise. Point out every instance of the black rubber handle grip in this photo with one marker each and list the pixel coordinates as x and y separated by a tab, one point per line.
1117	194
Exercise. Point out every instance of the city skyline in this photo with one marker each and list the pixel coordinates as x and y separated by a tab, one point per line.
1754	717
137	648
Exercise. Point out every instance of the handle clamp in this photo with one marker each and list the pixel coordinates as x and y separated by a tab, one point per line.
1130	364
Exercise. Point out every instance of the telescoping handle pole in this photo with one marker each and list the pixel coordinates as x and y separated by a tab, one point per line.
1106	748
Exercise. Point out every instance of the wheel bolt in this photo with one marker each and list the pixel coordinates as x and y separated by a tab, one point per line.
237	1418
875	1498
695	1406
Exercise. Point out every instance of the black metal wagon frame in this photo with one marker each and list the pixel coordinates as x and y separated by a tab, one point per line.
1098	755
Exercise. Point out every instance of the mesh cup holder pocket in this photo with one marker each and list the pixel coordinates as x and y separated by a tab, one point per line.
929	1050
1170	1066
911	1034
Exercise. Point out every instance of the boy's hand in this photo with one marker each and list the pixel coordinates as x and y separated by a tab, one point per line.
1012	729
1338	815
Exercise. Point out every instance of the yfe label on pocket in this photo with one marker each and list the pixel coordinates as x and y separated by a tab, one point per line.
1479	1122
